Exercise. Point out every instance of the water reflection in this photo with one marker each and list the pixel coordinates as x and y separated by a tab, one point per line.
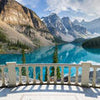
68	53
94	51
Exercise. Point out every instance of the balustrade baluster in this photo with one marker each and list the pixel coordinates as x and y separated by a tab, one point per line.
76	75
48	76
41	75
94	77
3	77
20	75
34	74
55	74
62	75
27	75
69	78
85	74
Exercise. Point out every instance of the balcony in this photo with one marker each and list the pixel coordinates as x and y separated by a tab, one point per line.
78	87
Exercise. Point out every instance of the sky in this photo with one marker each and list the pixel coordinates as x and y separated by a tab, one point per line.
75	9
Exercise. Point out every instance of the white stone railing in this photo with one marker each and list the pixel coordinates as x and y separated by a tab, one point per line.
13	82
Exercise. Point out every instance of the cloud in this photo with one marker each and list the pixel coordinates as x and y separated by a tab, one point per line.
88	7
31	4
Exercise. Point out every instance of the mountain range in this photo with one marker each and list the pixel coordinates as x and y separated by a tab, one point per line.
65	29
92	26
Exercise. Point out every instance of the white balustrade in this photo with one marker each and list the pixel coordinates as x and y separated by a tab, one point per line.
85	74
12	73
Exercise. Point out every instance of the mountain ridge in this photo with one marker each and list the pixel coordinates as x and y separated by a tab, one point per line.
25	22
92	26
64	28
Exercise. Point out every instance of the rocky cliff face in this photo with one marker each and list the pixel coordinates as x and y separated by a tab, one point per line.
54	21
75	30
25	21
14	13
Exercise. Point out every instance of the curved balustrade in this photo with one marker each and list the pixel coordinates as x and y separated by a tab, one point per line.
16	79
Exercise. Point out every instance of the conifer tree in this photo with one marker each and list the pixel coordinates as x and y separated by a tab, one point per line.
23	61
23	56
55	60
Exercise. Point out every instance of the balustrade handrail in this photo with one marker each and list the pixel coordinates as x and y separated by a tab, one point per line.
84	77
51	64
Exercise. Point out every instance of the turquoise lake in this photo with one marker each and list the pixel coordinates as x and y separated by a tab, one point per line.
67	53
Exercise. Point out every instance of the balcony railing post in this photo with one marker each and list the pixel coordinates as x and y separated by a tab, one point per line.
94	77
69	78
76	76
20	76
48	76
34	74
55	74
11	74
41	75
62	75
27	75
3	77
85	74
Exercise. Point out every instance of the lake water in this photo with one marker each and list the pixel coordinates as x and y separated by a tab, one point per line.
67	53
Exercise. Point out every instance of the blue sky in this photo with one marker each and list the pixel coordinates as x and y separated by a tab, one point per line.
75	9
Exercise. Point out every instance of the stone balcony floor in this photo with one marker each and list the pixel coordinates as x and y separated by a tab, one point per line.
49	92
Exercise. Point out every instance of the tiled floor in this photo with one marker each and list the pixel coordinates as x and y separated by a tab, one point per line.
49	92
